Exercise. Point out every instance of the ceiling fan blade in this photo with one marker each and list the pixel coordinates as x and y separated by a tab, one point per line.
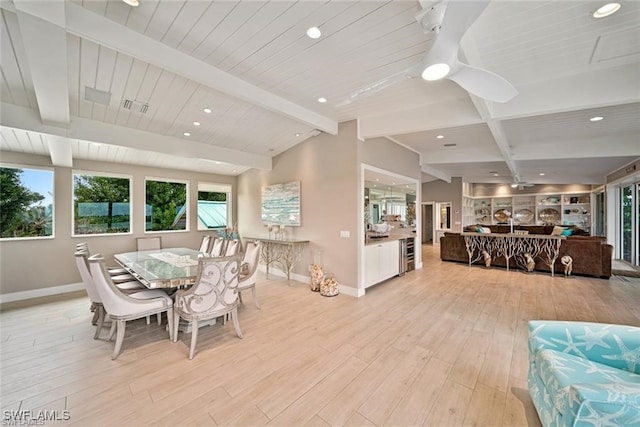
458	17
381	84
483	83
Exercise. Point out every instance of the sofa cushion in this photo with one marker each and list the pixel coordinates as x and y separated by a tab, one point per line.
559	371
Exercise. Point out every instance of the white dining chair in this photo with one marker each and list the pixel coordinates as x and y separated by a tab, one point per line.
205	244
214	294
248	277
113	271
122	308
148	243
216	247
133	289
232	247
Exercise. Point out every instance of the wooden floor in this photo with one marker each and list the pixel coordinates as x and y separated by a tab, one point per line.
443	346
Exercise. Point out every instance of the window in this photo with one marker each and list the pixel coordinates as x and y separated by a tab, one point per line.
101	204
214	206
165	205
26	202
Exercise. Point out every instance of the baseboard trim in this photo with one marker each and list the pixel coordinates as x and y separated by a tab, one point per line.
352	292
37	293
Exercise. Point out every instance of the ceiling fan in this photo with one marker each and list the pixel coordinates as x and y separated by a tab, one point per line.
448	20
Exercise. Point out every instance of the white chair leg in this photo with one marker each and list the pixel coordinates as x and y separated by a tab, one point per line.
255	299
96	313
236	324
159	319
119	338
100	322
240	297
170	322
148	320
112	331
176	322
194	337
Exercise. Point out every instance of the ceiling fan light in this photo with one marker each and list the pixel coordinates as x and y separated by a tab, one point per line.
134	3
435	72
606	10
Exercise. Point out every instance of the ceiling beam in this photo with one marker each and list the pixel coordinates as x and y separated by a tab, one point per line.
88	25
45	41
435	172
91	130
59	150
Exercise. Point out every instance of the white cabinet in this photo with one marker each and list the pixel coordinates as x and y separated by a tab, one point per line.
381	262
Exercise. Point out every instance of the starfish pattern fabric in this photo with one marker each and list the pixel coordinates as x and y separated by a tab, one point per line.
584	374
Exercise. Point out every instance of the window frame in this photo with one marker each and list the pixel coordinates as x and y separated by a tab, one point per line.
215	187
53	201
105	175
186	203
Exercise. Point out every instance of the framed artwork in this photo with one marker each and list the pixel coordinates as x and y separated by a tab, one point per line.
281	204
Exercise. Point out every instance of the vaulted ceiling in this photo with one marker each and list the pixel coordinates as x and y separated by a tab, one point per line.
105	81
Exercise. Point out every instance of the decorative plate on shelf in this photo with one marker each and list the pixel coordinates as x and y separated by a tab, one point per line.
549	215
523	215
502	215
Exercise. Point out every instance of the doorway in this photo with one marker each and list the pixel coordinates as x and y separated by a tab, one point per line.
427	223
630	224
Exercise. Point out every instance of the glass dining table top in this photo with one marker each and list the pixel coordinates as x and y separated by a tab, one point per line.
162	268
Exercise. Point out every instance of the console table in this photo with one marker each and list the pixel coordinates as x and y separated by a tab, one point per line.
544	247
283	253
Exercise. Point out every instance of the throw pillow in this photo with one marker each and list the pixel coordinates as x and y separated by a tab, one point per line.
567	232
486	230
557	231
479	230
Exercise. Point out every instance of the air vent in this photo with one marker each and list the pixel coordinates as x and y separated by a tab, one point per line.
135	106
97	96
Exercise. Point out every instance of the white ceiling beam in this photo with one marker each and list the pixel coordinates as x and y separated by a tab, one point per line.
90	26
45	41
59	150
443	115
436	172
90	130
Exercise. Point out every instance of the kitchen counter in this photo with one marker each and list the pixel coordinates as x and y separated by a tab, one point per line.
392	237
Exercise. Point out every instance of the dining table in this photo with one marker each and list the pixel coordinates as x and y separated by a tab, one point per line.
170	268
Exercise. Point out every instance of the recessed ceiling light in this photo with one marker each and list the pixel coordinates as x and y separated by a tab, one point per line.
450	145
596	119
440	136
495	174
435	72
196	123
207	110
322	100
514	185
606	10
297	134
134	3
314	33
541	174
187	134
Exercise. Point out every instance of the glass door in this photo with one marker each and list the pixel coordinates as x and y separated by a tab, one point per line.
630	223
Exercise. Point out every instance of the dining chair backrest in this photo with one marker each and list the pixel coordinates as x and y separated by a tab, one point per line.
148	243
215	289
83	268
205	244
232	248
216	246
252	258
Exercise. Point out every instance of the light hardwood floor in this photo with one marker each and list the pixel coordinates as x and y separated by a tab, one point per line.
442	346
